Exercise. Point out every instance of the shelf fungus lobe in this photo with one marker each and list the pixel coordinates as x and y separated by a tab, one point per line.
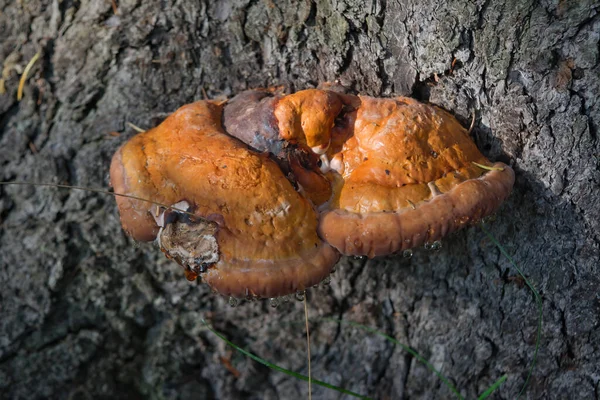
409	176
268	189
259	234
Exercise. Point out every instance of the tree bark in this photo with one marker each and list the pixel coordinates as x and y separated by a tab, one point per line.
86	313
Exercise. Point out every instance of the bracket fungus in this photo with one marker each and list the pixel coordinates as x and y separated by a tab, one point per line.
267	190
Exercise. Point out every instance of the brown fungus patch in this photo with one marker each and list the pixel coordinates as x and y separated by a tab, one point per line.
287	180
267	232
409	176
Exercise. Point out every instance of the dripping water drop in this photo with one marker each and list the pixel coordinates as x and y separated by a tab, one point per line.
251	298
407	253
435	246
274	302
490	218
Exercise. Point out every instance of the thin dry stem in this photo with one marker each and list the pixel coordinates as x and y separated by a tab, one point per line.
488	168
472	121
93	190
24	76
137	128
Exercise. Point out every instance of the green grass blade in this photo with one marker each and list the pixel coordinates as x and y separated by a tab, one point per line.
280	369
538	300
492	388
406	348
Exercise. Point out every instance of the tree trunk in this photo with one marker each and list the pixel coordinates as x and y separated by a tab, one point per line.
87	313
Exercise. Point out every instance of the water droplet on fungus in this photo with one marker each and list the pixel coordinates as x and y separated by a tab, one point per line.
250	298
274	302
489	219
300	295
435	246
233	302
407	253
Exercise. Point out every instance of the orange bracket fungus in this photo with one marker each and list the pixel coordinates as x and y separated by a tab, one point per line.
267	190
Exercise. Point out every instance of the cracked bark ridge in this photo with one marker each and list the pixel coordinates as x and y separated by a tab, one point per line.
84	312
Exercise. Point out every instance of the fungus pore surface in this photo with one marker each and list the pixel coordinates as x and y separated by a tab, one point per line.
267	190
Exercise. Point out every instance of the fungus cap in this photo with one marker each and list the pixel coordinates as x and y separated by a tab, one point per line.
264	203
407	176
266	232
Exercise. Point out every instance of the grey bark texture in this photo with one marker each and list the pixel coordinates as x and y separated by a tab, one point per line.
85	313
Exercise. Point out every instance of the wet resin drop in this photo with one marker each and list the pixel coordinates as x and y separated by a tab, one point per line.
190	275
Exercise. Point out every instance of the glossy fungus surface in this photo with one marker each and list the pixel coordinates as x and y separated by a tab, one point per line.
268	189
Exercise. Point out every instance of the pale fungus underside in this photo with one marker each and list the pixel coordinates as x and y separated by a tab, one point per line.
275	187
